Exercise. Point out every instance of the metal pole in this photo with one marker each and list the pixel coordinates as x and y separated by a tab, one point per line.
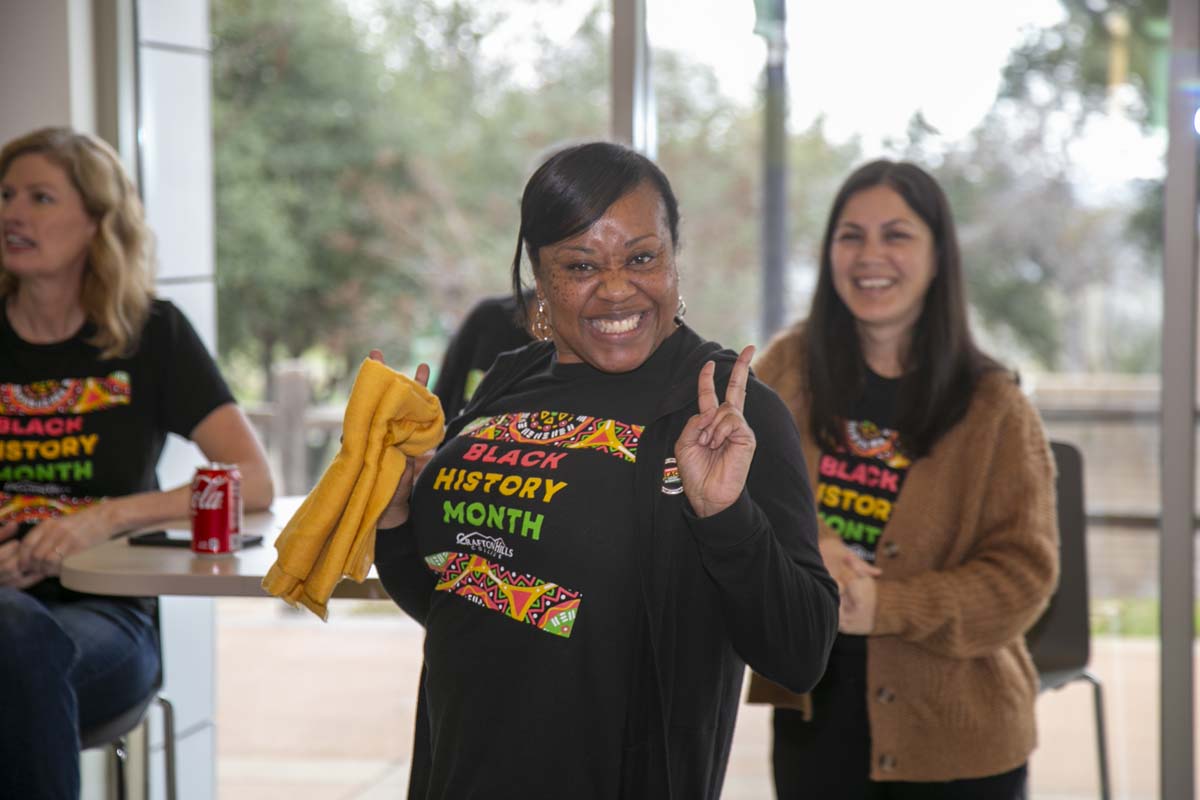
633	118
775	231
1177	547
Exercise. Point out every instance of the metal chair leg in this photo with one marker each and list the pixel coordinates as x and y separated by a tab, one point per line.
168	714
1101	738
143	734
120	757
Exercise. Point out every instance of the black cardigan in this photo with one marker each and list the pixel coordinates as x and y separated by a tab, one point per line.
745	586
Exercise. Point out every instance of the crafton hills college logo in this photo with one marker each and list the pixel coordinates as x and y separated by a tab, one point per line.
494	546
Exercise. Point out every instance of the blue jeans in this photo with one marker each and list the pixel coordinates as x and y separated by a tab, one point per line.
67	661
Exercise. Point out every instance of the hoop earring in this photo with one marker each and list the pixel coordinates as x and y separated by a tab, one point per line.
681	309
540	326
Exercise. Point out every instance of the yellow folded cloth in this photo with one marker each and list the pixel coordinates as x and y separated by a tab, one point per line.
388	417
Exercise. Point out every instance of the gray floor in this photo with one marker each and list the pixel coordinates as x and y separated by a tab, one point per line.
324	710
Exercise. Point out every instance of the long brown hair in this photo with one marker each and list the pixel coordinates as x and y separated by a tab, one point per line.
118	279
942	365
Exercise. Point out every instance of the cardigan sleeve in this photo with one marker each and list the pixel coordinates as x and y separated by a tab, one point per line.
779	602
1000	588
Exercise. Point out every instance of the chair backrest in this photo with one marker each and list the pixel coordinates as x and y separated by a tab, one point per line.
1060	640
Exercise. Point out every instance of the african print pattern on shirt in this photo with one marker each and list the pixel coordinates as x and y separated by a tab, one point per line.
67	396
44	447
524	598
560	429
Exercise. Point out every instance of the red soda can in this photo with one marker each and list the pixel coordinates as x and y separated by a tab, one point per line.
216	509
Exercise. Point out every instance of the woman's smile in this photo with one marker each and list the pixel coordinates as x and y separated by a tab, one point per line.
611	291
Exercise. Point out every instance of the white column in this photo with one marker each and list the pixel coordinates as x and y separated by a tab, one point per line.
634	119
71	62
1181	282
46	73
175	162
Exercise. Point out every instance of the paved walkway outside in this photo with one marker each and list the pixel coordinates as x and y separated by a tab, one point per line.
324	711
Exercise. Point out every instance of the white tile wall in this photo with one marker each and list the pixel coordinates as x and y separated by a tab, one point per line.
35	67
176	148
176	139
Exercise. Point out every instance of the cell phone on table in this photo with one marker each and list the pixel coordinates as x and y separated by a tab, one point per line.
181	539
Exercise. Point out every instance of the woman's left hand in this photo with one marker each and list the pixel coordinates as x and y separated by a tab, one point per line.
44	548
11	574
714	451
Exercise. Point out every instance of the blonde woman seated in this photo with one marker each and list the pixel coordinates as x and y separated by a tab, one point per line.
94	373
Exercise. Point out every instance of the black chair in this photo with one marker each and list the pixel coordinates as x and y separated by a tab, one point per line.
114	734
1060	642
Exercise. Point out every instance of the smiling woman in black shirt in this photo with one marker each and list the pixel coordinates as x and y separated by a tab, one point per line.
615	525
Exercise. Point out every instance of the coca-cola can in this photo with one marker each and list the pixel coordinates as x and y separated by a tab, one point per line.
216	510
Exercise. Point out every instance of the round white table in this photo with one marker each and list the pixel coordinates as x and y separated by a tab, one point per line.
119	568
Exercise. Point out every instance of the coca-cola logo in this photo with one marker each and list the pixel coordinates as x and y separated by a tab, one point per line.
207	495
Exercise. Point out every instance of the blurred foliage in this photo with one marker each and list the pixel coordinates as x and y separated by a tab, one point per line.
1059	278
1131	616
368	167
369	156
1106	57
295	133
1033	249
1100	47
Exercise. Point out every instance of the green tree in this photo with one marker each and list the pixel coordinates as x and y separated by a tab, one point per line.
1043	255
370	156
295	133
1099	48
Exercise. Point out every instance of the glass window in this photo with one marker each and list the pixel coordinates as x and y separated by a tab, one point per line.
1043	120
369	157
369	160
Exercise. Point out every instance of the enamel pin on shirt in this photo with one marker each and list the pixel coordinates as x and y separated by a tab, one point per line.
671	483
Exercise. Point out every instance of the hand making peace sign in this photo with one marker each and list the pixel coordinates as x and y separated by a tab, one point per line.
714	451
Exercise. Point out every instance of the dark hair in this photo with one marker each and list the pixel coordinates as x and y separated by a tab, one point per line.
942	365
574	187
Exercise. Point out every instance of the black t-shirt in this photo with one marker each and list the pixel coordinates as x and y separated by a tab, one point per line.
859	481
489	330
75	429
531	635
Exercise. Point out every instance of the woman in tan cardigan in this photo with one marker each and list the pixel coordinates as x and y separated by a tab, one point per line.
936	498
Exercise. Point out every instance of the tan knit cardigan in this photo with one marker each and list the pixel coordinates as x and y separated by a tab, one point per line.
969	560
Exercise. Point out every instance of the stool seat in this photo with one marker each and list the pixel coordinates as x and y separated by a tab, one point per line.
117	727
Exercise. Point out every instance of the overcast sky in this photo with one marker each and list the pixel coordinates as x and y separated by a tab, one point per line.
866	65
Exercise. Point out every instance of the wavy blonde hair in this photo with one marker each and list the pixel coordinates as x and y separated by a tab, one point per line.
118	279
